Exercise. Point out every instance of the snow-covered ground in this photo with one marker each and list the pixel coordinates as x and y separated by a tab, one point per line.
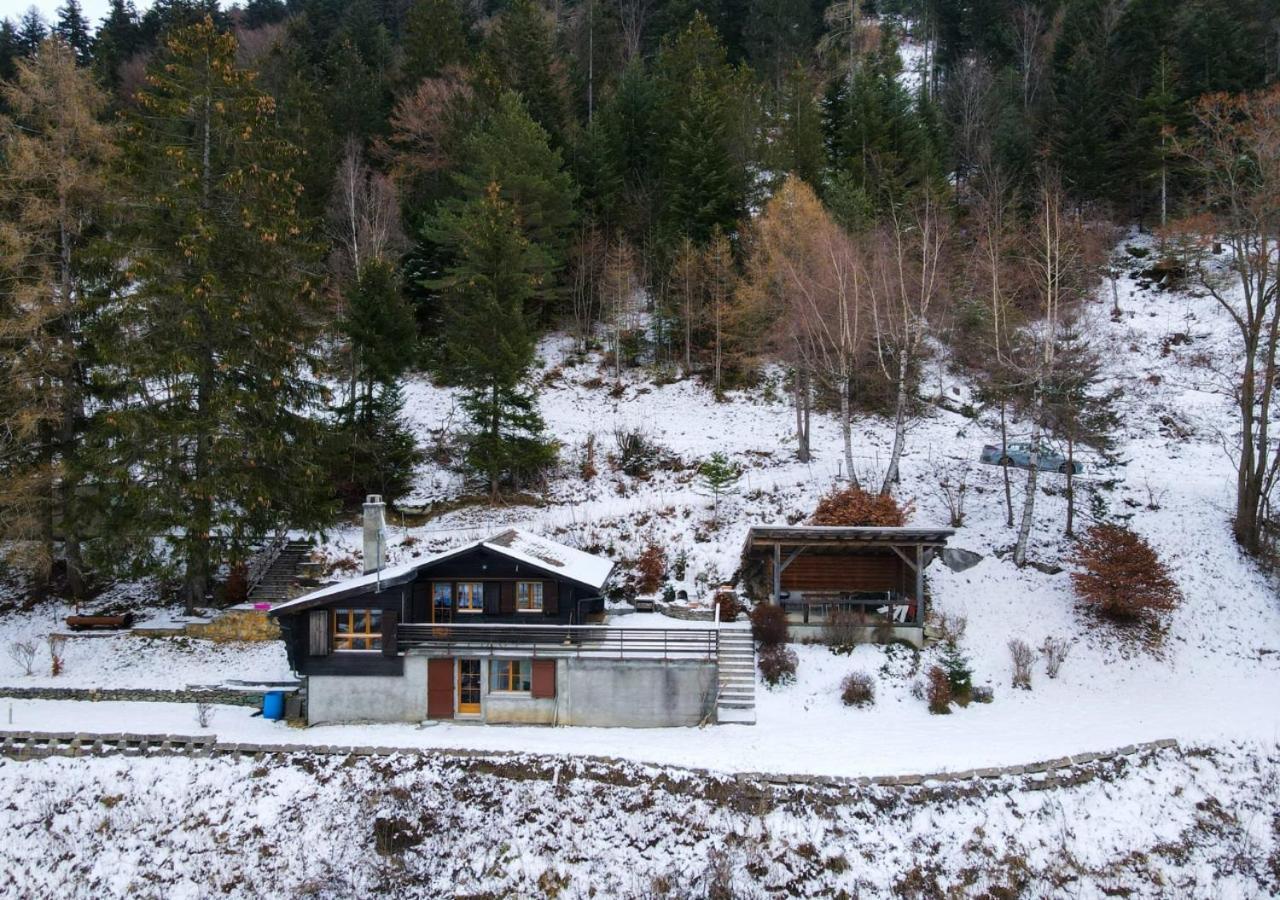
1214	677
1193	824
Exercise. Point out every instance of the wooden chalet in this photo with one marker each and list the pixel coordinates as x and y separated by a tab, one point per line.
500	630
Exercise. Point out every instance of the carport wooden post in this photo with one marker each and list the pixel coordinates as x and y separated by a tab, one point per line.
777	573
920	584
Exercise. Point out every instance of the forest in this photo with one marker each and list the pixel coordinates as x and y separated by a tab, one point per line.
229	233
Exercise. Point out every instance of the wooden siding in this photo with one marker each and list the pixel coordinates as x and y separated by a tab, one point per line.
318	632
844	572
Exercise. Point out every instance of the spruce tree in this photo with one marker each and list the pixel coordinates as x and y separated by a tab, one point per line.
73	28
435	38
118	38
53	199
32	31
521	54
489	339
214	337
511	150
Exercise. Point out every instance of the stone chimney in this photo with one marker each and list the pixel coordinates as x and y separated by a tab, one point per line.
375	533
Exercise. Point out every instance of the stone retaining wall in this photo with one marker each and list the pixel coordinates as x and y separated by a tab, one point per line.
1065	770
146	695
685	613
237	625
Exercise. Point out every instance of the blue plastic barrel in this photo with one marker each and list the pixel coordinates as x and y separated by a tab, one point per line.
273	705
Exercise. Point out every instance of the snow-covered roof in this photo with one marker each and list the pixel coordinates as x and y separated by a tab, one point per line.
523	546
568	562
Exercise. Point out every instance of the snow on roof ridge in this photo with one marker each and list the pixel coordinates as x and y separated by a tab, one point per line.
516	543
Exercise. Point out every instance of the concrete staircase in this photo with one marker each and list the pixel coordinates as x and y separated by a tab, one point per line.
736	666
275	582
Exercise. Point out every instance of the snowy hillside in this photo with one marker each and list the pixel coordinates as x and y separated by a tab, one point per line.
1173	484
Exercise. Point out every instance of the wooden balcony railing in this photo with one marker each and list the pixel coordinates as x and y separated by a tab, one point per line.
562	640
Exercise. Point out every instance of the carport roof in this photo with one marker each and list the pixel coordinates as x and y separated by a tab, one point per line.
810	535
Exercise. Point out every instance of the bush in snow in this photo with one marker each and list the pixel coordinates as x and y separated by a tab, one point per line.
769	625
843	630
937	691
1055	652
1020	651
727	603
57	649
1120	574
858	689
959	673
637	454
777	665
854	506
651	568
204	713
24	654
950	626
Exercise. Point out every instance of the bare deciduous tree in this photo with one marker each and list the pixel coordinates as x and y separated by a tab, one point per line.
1235	150
908	286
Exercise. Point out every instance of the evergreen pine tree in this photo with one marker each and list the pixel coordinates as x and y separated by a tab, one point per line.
118	38
373	451
31	32
435	38
511	150
521	54
258	13
718	477
489	339
10	50
800	146
72	27
214	346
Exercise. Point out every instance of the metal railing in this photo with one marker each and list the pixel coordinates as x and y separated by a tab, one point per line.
562	640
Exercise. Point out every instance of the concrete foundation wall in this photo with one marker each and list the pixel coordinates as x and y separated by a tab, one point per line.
369	698
635	693
593	692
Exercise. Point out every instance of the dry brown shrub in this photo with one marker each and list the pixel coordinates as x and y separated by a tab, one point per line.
769	625
938	691
854	506
858	689
1121	576
1020	653
651	567
777	664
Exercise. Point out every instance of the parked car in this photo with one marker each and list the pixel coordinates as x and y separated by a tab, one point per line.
1019	455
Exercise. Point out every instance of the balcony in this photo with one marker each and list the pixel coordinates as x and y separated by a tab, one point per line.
556	641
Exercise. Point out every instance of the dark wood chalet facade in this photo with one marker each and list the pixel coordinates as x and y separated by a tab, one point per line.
511	578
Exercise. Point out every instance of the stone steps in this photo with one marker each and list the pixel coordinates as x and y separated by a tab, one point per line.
275	583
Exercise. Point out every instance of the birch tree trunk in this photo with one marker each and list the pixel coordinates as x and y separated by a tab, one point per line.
899	428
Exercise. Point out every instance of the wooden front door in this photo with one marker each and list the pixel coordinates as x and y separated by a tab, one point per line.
440	689
468	687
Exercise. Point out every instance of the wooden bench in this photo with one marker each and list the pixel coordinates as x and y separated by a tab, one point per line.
84	623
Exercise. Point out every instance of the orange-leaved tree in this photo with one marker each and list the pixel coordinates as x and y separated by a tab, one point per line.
1121	575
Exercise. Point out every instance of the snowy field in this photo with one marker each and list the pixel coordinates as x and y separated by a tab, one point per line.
1192	824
